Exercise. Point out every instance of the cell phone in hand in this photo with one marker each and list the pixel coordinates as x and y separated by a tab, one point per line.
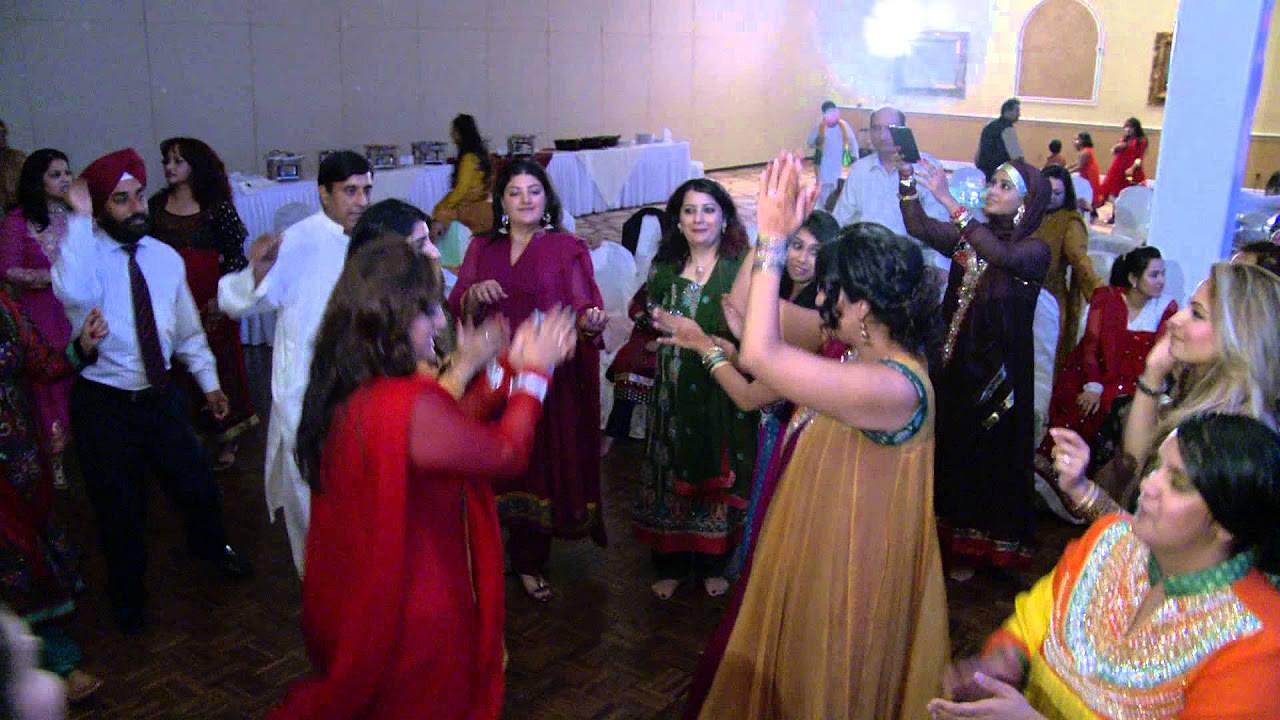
906	142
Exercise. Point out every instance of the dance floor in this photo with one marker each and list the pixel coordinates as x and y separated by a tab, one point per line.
604	647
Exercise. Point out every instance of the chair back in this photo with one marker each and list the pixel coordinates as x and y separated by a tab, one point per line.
646	247
1084	191
615	272
1044	338
1133	212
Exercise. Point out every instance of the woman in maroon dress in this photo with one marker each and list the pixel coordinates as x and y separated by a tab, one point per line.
1125	319
402	603
29	238
194	215
529	265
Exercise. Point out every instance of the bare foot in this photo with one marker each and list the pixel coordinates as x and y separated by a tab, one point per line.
715	586
664	589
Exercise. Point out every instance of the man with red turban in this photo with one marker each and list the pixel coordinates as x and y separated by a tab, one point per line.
126	416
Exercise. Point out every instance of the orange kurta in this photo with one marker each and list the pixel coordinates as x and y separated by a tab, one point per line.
1211	655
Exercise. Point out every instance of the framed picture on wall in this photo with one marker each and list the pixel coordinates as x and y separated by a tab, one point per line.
935	65
1160	69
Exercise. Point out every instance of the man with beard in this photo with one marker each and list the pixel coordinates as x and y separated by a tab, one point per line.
126	416
293	274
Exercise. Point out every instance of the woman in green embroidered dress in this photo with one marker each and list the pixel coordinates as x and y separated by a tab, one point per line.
691	507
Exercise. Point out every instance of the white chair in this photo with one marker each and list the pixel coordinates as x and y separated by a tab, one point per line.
1084	191
1044	337
1102	262
1115	243
646	247
1133	212
615	272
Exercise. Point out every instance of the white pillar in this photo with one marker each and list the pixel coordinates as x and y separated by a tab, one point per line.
1214	77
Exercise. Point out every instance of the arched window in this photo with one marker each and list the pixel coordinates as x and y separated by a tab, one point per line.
1058	53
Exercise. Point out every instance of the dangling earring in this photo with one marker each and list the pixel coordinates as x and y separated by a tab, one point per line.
546	220
1017	217
862	328
505	224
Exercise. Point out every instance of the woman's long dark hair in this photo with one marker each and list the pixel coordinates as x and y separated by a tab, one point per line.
1058	172
1134	262
1086	140
469	141
1234	463
525	166
824	228
31	198
1137	127
674	247
390	216
869	262
364	334
209	184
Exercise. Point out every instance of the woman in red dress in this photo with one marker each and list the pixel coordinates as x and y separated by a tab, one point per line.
1125	319
1087	166
403	597
1126	166
529	265
195	216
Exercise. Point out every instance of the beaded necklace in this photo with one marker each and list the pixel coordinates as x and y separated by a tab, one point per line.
1203	581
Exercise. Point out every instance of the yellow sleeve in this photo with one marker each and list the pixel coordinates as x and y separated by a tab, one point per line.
1076	247
1026	628
469	180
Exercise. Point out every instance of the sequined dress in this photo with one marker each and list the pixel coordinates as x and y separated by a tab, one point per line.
1211	650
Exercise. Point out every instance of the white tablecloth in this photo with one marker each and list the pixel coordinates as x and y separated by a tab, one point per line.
421	185
591	181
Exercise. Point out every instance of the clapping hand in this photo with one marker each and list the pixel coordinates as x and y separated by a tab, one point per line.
79	199
680	331
1070	461
544	341
478	344
781	203
593	320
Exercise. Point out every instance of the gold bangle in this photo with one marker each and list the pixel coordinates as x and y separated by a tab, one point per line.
771	254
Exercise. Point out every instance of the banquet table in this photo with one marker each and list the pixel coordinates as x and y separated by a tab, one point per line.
590	181
258	200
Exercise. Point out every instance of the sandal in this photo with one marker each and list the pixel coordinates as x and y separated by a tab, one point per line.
80	685
226	457
664	589
536	587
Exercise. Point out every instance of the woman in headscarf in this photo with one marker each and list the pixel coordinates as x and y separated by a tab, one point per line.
983	371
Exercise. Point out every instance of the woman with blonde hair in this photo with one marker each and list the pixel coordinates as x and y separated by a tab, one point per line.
1215	357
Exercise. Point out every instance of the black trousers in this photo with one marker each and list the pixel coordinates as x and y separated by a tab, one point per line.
120	436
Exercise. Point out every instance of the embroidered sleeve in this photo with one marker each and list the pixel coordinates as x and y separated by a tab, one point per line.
229	236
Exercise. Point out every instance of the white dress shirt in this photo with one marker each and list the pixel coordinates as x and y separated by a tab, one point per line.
297	287
92	271
870	194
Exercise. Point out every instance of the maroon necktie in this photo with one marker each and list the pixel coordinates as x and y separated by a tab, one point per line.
144	320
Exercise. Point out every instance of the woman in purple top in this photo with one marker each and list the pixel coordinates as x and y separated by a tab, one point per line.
29	240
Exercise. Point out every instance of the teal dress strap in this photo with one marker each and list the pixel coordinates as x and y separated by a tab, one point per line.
908	431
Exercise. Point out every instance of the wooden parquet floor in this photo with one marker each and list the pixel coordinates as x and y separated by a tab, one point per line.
602	649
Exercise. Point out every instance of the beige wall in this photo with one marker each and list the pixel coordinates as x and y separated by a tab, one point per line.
250	76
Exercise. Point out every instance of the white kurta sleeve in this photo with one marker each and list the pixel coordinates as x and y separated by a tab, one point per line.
848	209
75	271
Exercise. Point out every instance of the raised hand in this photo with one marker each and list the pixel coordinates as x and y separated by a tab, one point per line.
544	341
782	204
486	292
79	199
263	253
1070	461
477	345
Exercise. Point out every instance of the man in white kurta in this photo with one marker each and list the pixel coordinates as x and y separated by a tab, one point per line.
870	194
296	283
